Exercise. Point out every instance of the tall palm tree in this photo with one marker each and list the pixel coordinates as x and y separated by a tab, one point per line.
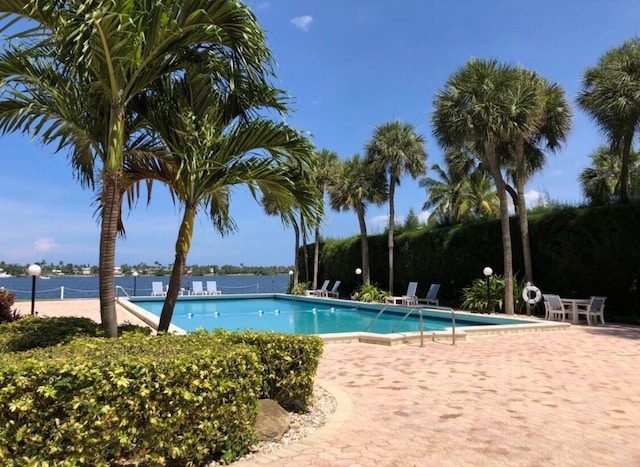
395	150
475	108
549	118
324	169
116	48
353	187
216	140
611	96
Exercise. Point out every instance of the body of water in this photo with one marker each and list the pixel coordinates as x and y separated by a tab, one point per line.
57	287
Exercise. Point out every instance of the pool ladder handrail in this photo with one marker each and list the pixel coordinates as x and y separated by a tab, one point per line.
119	287
420	311
374	319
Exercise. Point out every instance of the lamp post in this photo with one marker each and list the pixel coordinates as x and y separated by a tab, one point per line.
290	281
488	272
135	280
34	271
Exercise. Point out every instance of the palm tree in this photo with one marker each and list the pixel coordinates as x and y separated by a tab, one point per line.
462	191
115	49
611	96
353	186
548	115
396	150
324	169
216	140
475	108
600	183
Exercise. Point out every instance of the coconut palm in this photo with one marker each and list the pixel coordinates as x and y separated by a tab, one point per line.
217	140
611	96
353	187
116	48
475	108
395	150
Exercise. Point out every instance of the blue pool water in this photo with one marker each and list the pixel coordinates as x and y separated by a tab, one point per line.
298	315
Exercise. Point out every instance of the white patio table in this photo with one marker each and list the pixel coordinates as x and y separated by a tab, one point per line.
573	305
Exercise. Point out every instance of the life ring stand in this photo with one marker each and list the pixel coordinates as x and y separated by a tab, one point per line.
528	290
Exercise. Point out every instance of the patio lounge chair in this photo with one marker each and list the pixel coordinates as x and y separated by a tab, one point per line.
212	288
157	290
408	299
431	298
196	288
334	290
595	309
321	292
554	308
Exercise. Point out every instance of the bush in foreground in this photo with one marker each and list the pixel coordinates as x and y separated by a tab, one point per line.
161	400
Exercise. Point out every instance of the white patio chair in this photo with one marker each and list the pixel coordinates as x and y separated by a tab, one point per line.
212	288
554	309
157	290
334	290
408	299
196	288
595	310
431	298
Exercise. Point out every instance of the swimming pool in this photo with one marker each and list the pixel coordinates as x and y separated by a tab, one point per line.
306	315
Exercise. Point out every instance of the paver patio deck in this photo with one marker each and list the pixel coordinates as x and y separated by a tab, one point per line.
566	398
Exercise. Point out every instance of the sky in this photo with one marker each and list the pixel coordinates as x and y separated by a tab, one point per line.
348	67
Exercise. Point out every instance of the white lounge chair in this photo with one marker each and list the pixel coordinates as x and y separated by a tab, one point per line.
431	298
157	289
212	288
334	290
196	288
408	299
321	292
595	309
554	308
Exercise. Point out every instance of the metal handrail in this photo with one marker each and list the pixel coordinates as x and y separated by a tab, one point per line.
420	313
374	319
119	287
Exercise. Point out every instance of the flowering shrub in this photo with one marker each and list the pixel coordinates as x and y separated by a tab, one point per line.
7	314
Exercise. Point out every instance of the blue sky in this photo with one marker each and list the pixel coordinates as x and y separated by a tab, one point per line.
348	67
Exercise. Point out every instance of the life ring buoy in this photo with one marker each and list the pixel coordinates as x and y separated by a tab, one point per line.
526	294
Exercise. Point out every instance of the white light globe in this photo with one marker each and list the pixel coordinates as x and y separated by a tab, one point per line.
34	270
487	271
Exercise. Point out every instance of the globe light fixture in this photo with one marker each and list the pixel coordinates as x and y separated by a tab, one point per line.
488	272
34	271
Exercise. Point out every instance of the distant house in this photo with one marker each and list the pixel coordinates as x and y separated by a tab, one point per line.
86	271
117	271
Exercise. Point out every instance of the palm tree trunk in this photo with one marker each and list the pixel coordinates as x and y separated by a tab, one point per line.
392	188
494	167
316	259
296	231
111	205
364	248
522	211
108	234
183	244
624	169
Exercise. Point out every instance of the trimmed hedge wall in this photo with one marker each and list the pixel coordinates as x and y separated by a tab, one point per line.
167	400
576	252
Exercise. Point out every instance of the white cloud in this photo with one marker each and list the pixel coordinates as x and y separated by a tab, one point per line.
45	244
302	22
534	198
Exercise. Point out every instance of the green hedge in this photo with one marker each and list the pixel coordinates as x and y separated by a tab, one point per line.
576	252
163	400
290	363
